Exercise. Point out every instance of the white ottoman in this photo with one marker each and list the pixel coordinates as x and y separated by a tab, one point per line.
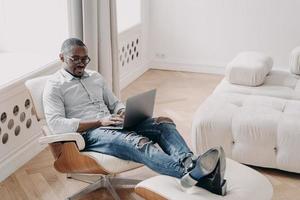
243	183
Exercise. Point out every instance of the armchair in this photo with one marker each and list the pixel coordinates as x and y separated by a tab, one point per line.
66	149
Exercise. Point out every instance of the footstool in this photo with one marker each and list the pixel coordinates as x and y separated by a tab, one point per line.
243	183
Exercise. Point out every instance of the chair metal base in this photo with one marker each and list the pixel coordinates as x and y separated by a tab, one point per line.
100	181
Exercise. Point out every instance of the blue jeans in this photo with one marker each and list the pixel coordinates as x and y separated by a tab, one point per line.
137	145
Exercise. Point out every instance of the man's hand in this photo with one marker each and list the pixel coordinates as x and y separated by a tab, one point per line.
121	113
85	125
112	120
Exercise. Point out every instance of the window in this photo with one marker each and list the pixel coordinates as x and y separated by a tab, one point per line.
128	14
31	33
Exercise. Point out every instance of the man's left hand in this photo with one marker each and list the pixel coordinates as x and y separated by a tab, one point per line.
121	113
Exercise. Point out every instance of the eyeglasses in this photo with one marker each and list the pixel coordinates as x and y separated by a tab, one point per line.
78	60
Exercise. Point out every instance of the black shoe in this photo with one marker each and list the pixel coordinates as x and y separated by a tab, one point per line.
215	182
205	165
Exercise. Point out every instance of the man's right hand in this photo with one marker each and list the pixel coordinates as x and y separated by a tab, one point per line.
112	120
85	125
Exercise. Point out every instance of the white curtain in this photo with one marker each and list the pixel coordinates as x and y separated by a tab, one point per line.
95	22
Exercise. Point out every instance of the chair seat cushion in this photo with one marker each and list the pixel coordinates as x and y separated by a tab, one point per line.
249	68
111	164
243	183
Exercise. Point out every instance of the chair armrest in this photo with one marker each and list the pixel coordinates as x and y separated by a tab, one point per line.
64	137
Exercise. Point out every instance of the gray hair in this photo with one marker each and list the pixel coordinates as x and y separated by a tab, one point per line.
70	43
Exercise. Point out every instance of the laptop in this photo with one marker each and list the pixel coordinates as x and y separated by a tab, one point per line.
138	109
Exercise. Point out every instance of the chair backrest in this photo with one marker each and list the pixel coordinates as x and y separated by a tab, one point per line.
35	87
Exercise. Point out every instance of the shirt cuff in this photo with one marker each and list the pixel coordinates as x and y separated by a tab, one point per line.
74	124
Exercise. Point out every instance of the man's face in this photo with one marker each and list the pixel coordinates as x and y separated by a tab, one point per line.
76	60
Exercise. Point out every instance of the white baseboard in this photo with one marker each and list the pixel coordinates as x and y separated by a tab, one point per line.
209	69
199	68
132	75
25	153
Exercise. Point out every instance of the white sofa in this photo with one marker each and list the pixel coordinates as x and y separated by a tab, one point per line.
255	125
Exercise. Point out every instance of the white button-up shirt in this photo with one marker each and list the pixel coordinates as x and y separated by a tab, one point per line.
68	99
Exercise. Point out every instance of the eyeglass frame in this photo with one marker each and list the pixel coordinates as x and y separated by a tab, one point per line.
79	60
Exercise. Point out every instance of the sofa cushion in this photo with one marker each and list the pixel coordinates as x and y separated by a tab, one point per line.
278	83
249	68
295	61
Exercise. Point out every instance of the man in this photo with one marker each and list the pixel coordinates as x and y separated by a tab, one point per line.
78	100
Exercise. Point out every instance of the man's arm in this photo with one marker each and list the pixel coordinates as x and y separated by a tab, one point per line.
55	111
85	125
113	103
55	114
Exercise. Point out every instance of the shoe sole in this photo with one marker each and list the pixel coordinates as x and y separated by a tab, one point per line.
207	163
208	160
216	186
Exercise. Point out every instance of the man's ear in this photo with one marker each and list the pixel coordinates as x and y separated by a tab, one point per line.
61	56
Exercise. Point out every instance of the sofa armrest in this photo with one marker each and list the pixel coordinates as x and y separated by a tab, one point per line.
64	137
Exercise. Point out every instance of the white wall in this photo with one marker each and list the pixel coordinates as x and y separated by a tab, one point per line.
128	14
201	33
1	23
33	26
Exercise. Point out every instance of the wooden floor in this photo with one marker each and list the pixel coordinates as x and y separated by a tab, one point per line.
179	95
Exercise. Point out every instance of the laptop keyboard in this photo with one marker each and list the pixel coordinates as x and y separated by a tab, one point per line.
117	125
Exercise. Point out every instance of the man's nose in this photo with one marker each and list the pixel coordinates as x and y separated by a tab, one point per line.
81	64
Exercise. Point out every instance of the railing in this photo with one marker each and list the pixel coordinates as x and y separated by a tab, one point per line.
19	129
131	55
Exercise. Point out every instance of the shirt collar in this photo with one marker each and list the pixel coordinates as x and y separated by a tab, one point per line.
70	77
